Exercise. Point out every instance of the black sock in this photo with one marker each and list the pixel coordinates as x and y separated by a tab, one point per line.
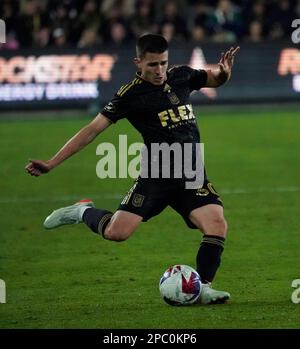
97	219
209	257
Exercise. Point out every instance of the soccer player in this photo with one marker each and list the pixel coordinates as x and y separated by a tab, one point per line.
157	104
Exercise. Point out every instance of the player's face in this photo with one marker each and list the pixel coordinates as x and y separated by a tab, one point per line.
153	67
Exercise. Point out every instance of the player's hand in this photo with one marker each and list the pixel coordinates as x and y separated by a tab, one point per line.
227	59
38	167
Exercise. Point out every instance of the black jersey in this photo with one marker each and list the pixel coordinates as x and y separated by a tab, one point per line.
162	114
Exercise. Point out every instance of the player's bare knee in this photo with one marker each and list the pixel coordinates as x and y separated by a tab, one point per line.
216	226
224	227
117	235
221	226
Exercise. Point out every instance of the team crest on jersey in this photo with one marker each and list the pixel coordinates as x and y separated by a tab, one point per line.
138	200
173	98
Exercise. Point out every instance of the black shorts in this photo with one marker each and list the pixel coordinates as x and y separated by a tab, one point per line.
149	197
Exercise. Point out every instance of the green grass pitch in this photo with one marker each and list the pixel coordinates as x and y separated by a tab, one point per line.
72	278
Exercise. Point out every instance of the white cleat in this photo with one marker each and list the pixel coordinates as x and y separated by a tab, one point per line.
67	215
210	296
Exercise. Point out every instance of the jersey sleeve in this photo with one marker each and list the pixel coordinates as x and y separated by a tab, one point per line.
197	78
116	109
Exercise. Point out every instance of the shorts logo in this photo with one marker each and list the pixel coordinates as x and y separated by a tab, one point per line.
110	107
138	200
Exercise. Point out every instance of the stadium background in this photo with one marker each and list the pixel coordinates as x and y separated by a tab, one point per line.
62	61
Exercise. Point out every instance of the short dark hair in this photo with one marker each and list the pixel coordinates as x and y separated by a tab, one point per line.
153	43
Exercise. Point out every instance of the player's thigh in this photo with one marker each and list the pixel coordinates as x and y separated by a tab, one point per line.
122	225
210	219
187	201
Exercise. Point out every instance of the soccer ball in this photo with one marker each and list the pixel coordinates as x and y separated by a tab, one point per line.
180	285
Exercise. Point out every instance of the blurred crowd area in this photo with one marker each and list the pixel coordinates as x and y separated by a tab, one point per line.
97	23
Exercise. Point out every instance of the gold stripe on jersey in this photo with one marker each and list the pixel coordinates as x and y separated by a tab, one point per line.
127	87
172	68
121	89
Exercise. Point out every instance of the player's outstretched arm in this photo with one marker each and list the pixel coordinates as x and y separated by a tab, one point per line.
85	136
219	76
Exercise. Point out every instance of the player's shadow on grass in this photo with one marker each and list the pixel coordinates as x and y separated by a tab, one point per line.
253	303
263	303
